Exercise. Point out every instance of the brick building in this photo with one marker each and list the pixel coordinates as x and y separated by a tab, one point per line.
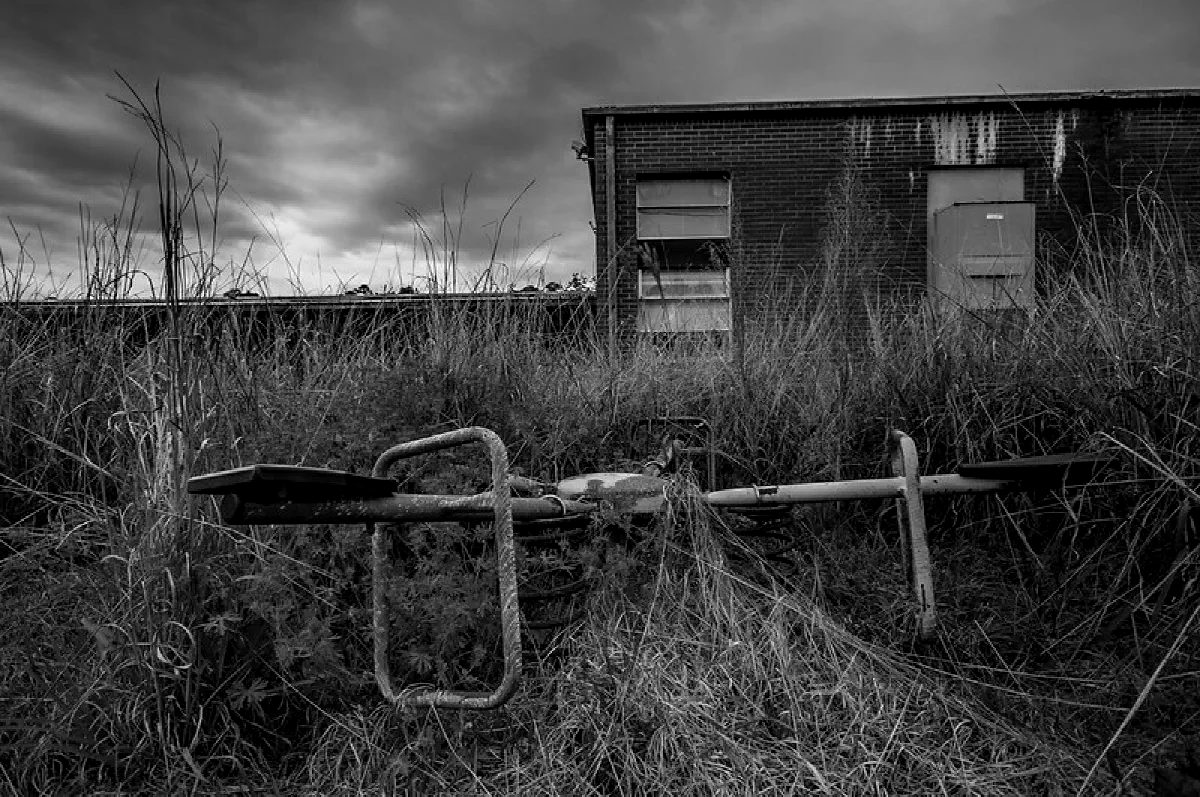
713	216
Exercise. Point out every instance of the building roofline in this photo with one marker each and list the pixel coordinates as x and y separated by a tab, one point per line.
775	106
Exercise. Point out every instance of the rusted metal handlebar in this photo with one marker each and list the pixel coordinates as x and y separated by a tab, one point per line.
906	486
910	512
497	503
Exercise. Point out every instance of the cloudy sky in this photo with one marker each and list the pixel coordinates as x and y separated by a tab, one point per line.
341	118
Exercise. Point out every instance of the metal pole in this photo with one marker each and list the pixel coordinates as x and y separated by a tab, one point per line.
610	227
853	490
910	508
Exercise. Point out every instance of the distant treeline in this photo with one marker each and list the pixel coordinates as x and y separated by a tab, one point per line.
565	313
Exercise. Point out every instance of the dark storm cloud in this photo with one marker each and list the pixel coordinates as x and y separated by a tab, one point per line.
249	42
1101	43
337	113
334	113
44	148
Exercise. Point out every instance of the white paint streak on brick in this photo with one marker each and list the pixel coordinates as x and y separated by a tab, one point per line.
860	136
1060	148
951	139
962	140
987	138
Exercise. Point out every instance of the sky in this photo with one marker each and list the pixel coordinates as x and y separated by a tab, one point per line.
346	126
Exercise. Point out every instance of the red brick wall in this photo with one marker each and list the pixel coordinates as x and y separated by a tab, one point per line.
1077	155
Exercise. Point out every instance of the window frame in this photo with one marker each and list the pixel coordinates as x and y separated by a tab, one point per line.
714	309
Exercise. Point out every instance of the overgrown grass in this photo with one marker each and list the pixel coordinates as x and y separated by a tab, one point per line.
148	645
704	680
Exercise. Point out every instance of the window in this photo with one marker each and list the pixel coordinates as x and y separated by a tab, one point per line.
682	224
684	301
683	209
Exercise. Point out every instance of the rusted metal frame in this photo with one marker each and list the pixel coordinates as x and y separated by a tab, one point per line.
398	508
501	502
709	450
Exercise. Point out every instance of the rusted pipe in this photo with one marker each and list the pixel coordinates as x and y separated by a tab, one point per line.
399	508
853	490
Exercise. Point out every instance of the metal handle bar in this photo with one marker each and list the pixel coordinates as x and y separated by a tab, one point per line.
910	512
510	619
698	427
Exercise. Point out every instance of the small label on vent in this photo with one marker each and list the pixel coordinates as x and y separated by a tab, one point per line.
995	216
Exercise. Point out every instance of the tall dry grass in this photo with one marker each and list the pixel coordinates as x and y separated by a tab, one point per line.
705	680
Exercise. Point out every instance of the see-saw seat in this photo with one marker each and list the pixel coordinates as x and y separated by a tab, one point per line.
1050	472
267	484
